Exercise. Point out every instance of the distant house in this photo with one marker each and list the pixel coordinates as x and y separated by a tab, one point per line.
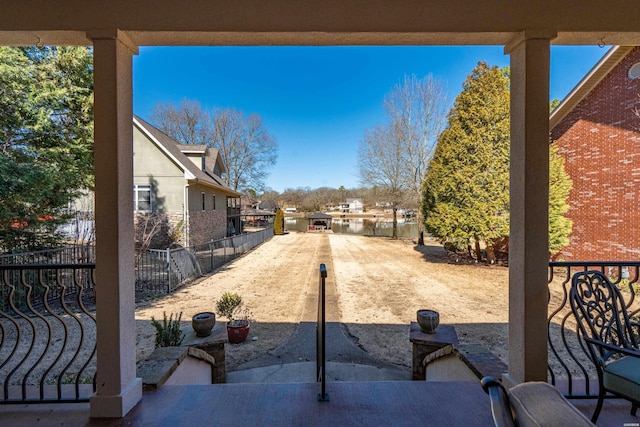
352	206
182	183
267	206
597	130
252	217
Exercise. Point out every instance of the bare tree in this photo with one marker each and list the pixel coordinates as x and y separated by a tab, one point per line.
416	114
381	164
147	226
417	111
270	197
246	147
186	123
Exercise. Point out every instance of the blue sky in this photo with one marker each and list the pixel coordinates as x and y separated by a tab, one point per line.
318	101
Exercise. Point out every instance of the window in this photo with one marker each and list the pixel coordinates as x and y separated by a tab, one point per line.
203	201
213	207
142	198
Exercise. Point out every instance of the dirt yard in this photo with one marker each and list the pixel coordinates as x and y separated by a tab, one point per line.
380	285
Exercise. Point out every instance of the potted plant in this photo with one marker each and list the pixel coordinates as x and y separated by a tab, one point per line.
230	306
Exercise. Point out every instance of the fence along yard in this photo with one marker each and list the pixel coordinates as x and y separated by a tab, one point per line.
47	312
163	271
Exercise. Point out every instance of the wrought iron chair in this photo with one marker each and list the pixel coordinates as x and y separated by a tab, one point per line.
611	337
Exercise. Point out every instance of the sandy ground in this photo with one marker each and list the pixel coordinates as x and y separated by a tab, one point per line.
380	285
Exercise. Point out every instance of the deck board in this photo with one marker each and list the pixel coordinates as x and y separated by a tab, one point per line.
352	403
294	404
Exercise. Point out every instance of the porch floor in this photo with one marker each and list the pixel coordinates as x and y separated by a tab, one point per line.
454	403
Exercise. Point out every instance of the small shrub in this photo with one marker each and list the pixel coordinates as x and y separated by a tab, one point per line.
168	333
229	304
176	233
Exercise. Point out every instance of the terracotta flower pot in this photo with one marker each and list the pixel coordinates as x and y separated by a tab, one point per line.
237	331
203	323
428	321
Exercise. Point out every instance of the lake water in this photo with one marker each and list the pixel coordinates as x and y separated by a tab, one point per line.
366	227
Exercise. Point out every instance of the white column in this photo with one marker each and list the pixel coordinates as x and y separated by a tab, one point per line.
529	206
118	389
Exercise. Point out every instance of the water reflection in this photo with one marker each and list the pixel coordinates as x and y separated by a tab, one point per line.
367	227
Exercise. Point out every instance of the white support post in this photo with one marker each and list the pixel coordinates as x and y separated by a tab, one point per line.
529	206
118	389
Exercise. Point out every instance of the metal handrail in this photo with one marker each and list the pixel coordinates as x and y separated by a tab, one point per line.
321	357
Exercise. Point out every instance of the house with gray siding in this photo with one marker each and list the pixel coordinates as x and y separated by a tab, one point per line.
182	184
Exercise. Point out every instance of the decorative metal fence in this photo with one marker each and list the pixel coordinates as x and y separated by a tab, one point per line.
65	255
47	321
163	271
570	368
47	313
47	333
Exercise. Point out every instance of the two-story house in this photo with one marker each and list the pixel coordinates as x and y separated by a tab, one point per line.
182	184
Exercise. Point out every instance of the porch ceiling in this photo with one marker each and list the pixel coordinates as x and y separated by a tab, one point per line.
331	22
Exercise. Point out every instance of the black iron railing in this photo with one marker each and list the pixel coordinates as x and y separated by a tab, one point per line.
72	254
570	368
47	333
321	356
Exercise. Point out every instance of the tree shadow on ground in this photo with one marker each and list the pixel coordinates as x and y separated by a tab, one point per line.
434	252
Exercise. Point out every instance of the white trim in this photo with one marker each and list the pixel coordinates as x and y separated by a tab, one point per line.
589	82
137	189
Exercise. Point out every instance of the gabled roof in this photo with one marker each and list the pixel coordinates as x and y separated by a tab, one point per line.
588	83
256	212
319	215
176	152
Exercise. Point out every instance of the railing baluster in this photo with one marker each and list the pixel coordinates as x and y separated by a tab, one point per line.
36	322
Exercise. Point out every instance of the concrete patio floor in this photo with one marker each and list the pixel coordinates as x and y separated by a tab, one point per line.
392	403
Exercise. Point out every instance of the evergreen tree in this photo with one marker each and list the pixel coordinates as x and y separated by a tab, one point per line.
46	140
559	187
466	188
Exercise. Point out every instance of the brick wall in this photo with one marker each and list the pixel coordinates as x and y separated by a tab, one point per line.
207	225
600	141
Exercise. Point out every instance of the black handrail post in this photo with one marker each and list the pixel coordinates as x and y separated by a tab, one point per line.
320	338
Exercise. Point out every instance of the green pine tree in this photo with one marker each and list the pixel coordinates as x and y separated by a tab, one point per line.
559	187
46	140
466	188
466	198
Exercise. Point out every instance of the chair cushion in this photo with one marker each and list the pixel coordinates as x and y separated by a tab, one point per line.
541	404
623	376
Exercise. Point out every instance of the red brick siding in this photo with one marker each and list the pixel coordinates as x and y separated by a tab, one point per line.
600	141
